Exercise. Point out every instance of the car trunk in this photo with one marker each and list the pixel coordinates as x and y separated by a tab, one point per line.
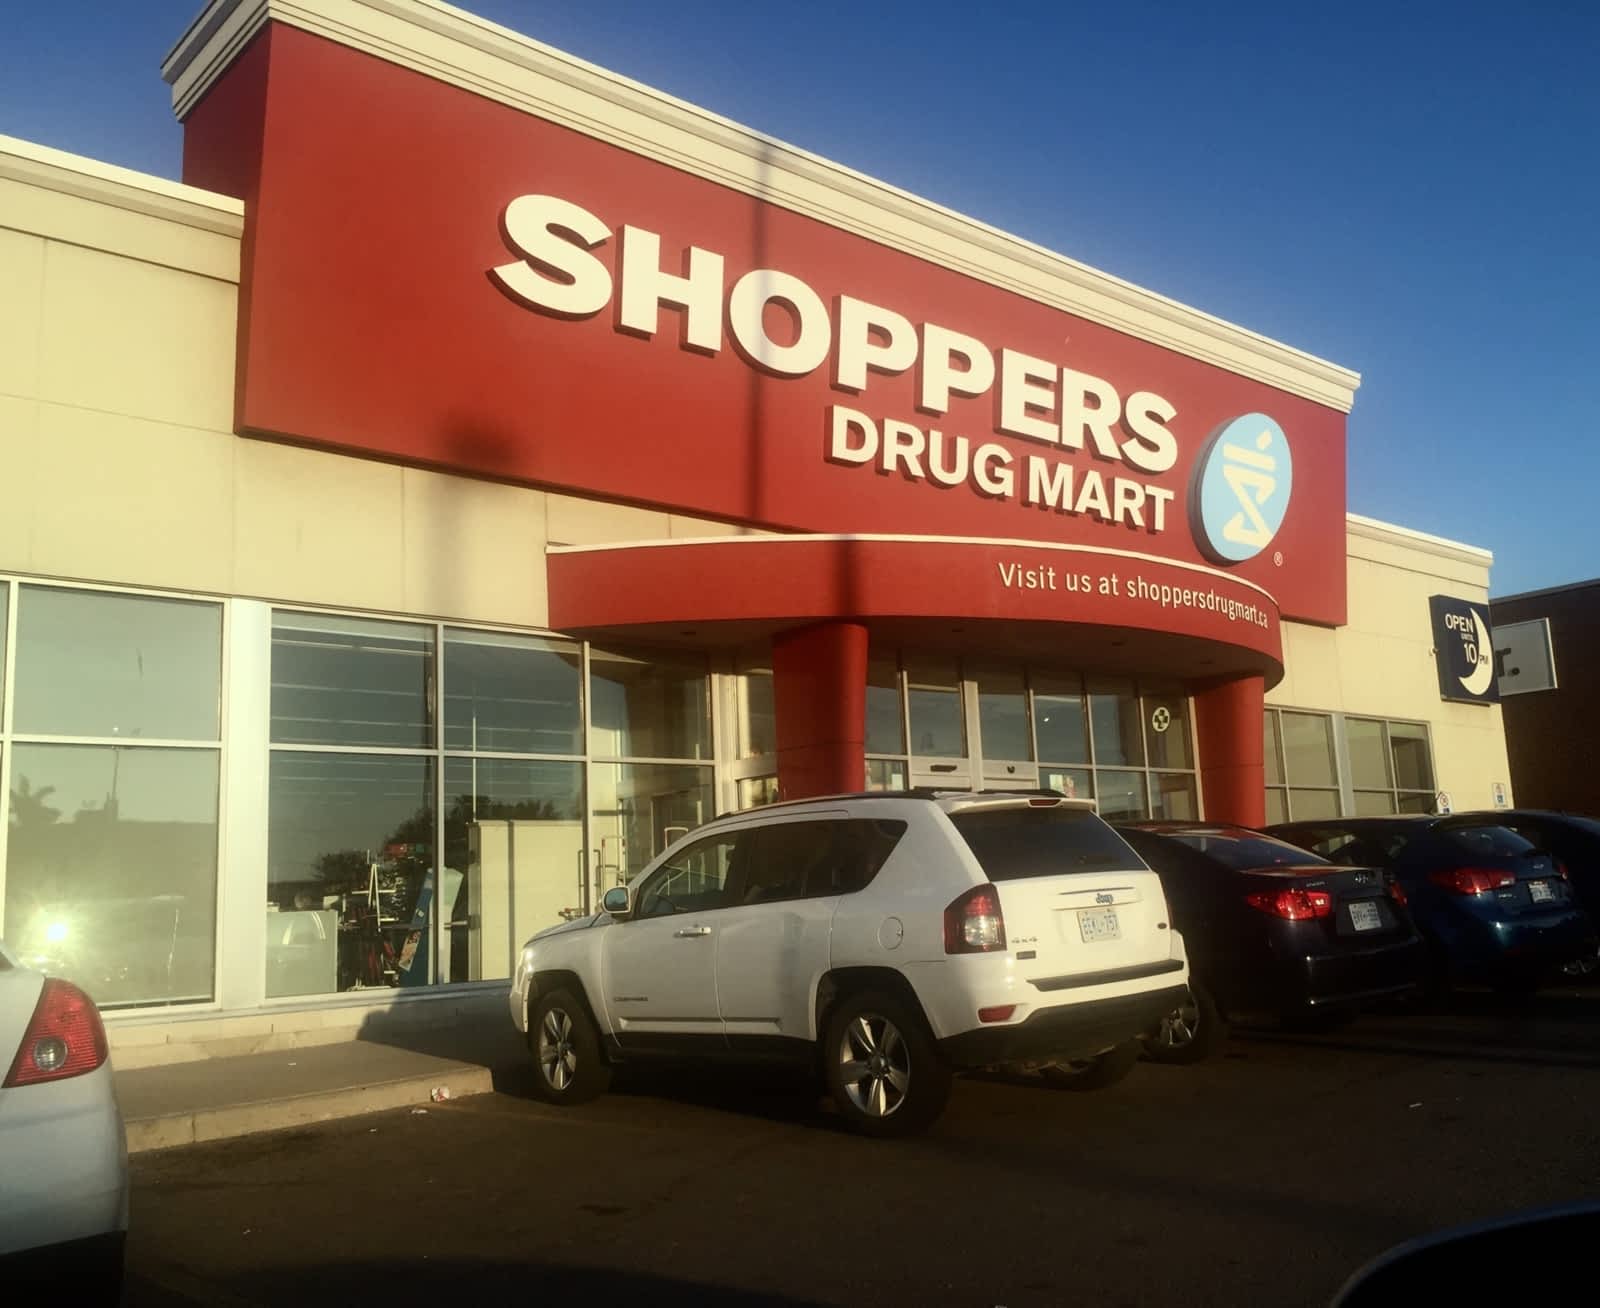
1359	910
1075	898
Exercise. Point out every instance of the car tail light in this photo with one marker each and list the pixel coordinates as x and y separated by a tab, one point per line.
1561	870
974	924
64	1038
999	1013
1472	880
1396	892
1293	905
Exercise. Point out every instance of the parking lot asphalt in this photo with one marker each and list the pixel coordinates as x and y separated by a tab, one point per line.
1266	1176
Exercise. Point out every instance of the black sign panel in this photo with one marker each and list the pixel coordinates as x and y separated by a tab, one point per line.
1463	650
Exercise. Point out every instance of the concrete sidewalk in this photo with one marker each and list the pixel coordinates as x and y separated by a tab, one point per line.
214	1098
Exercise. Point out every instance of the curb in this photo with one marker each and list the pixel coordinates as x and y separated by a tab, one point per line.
170	1130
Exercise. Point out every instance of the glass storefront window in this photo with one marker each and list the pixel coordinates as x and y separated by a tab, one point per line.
1003	716
886	729
1277	807
649	706
639	809
351	681
5	605
513	860
1074	783
886	774
1308	752
1369	756
350	882
511	694
92	663
1172	796
1308	805
1271	750
111	868
938	722
1413	759
1122	796
1058	720
1374	803
758	719
757	791
1166	725
1118	733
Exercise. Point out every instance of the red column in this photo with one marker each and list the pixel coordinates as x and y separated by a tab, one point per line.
1230	720
819	689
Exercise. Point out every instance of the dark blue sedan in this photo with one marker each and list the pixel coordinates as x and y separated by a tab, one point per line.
1492	907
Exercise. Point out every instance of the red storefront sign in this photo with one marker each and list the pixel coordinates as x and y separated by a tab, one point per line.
435	277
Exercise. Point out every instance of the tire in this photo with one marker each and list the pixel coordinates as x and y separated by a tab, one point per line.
881	1066
1191	1033
1084	1074
568	1067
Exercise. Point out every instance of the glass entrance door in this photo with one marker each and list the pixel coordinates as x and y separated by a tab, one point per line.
938	728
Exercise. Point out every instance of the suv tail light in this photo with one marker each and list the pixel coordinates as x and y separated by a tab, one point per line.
1292	905
973	924
1472	880
65	1037
1561	870
1396	891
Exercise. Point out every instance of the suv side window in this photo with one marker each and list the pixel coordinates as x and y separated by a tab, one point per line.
808	860
694	879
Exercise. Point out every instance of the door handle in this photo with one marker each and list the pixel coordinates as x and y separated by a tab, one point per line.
689	933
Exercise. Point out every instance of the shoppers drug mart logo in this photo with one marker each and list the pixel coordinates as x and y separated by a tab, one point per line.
1241	488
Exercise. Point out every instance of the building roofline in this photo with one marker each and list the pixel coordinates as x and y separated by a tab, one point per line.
485	59
122	188
1546	590
1409	538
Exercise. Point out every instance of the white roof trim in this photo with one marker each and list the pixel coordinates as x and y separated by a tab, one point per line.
1372	529
878	537
459	48
89	179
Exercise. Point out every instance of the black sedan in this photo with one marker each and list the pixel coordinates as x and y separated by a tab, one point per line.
1272	929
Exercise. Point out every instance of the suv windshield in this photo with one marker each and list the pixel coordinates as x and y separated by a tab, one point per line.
1013	843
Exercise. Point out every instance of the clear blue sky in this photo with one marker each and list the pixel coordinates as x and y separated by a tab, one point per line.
1408	189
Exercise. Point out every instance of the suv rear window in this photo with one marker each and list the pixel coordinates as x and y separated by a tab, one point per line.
1013	843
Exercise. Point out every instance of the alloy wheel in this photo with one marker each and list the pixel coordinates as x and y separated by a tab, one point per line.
558	1060
874	1065
1179	1026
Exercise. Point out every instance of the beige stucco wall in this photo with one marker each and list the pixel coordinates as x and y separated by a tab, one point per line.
117	338
1381	663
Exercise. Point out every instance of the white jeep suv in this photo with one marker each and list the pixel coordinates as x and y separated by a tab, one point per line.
882	940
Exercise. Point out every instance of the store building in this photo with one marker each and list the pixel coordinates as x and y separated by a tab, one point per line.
1542	639
484	468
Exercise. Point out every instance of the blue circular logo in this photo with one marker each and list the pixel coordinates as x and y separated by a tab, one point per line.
1241	488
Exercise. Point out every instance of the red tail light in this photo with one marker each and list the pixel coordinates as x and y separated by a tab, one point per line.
1561	870
974	924
1472	880
64	1038
1293	905
1397	892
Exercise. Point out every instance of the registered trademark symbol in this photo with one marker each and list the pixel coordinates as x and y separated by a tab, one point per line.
1277	557
1161	719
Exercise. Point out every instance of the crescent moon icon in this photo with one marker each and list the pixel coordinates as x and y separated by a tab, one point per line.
1477	681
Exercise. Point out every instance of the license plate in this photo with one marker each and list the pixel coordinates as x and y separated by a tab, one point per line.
1541	892
1364	915
1098	924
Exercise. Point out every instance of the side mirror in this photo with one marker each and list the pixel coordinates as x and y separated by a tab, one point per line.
617	901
